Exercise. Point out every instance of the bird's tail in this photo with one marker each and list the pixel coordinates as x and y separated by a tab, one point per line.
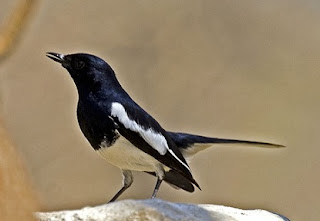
190	144
176	180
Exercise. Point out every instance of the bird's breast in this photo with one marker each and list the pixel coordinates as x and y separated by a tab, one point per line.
96	125
126	156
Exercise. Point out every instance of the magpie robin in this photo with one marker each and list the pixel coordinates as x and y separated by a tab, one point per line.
124	134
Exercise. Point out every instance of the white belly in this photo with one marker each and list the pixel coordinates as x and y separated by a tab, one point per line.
124	155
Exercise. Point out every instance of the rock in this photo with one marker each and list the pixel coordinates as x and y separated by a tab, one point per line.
157	209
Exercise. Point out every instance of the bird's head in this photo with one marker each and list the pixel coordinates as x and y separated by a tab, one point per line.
89	72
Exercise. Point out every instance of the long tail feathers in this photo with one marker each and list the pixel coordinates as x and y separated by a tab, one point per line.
254	143
190	144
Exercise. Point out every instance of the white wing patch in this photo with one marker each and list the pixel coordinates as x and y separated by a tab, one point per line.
154	139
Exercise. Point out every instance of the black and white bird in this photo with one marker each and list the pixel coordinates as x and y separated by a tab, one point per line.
124	134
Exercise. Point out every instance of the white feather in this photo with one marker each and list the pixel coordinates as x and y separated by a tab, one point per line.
154	139
124	155
189	152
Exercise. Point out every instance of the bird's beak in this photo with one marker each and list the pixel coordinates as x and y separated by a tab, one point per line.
56	57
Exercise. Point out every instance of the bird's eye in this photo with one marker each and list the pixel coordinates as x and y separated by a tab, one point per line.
79	64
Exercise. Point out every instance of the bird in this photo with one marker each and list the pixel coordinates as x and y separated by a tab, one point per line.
125	135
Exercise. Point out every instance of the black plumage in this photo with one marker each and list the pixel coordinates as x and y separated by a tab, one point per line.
126	135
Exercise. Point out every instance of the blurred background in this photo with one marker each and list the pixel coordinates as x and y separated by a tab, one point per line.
231	69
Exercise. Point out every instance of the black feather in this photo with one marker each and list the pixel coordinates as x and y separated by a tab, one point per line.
177	180
184	141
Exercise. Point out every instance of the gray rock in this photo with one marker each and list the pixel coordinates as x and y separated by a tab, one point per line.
157	209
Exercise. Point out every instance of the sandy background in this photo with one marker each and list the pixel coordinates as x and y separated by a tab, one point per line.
245	70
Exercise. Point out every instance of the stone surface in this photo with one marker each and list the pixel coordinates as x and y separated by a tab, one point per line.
160	210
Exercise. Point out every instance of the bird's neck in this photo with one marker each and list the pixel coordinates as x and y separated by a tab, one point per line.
108	90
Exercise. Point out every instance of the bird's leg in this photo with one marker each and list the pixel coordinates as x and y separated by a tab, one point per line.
160	174
155	191
127	181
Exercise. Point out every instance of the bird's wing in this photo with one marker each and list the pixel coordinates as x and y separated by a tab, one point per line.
190	144
145	133
176	180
